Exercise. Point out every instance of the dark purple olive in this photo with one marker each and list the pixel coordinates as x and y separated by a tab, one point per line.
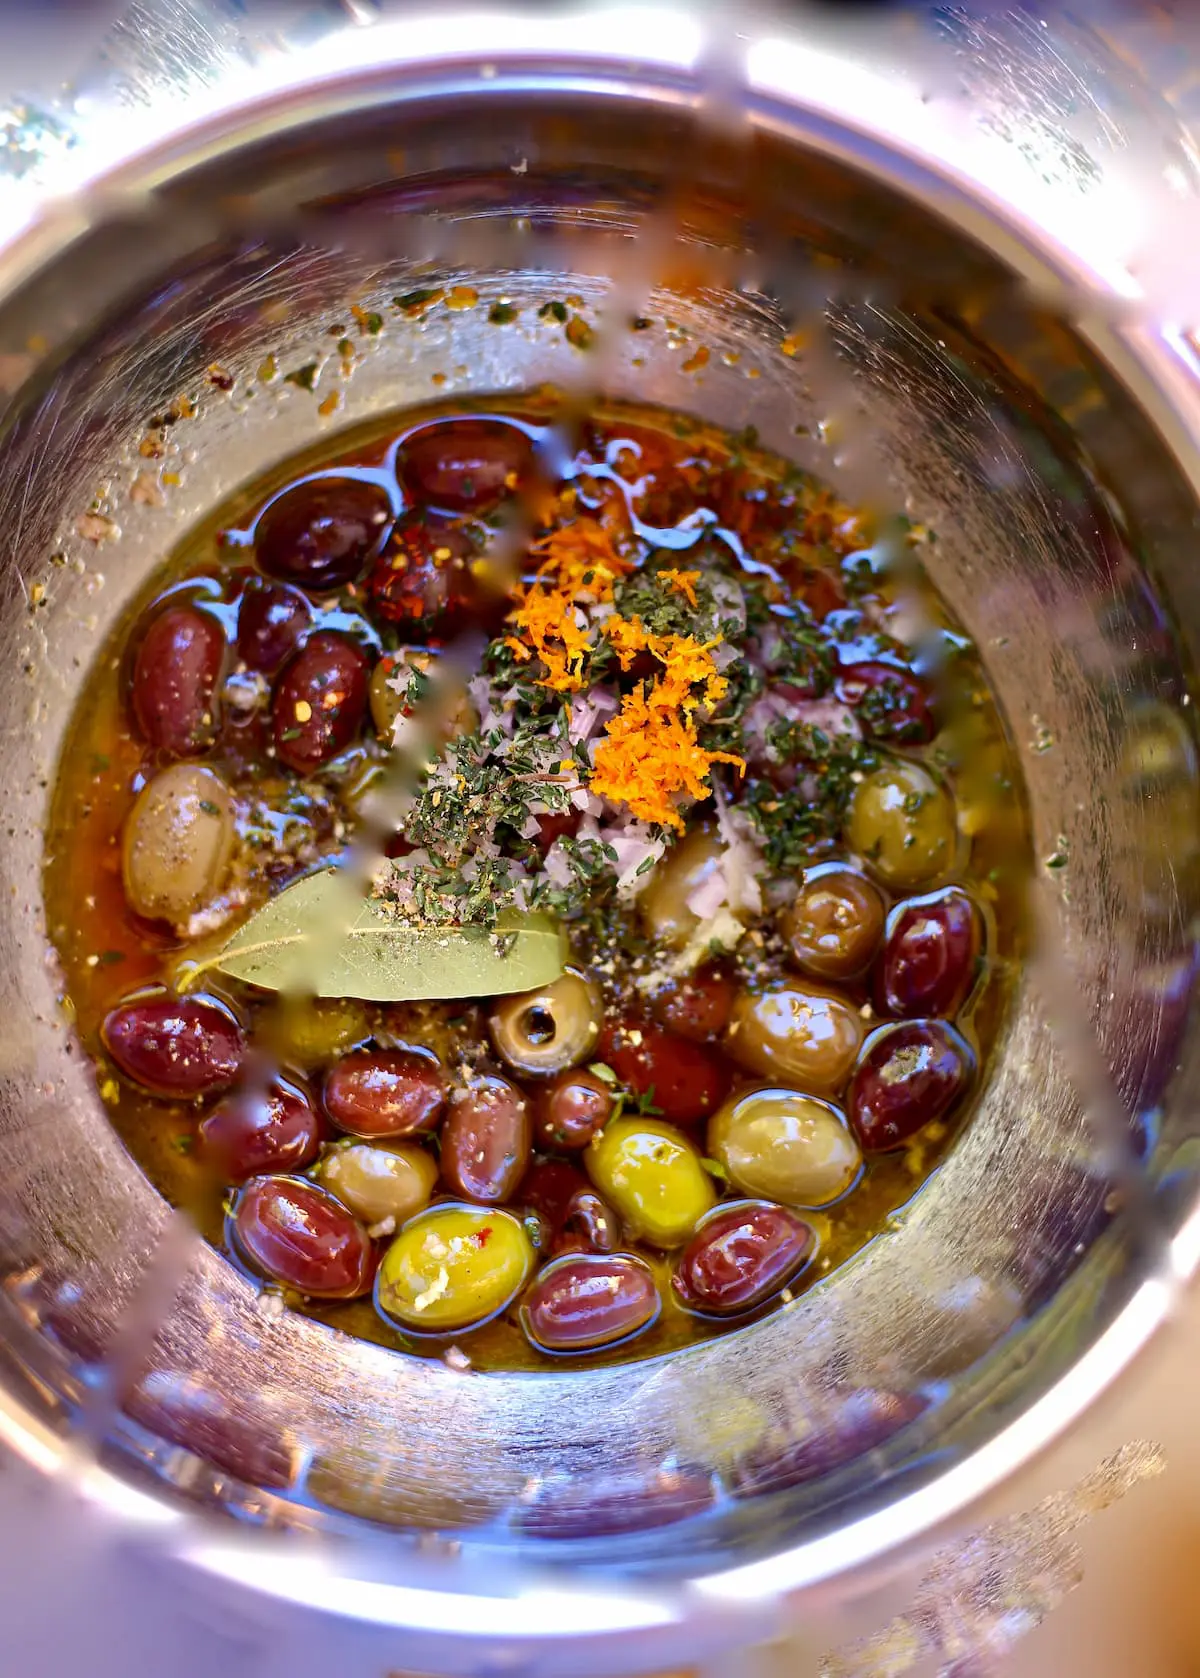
175	1046
461	466
271	620
175	678
256	1131
549	1189
571	1109
486	1140
741	1255
320	701
423	576
615	1501
929	955
295	1233
891	705
385	1092
588	1225
240	1440
907	1076
589	1300
844	1425
321	534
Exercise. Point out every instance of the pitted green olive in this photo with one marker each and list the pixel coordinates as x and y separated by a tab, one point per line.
652	1175
785	1146
902	822
541	1032
453	1267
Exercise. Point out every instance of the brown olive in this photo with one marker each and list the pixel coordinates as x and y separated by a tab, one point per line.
319	701
175	1046
321	533
295	1233
835	924
485	1140
541	1032
588	1300
740	1255
784	1145
462	465
379	1181
385	1092
255	1131
697	1007
588	1225
178	843
798	1032
909	1075
175	680
902	822
572	1109
271	621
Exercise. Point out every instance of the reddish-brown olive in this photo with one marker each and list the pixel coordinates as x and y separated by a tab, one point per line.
175	679
385	1092
741	1255
320	701
486	1140
835	924
891	705
589	1225
929	955
684	1081
423	576
549	1189
462	466
698	1007
257	1131
589	1300
240	1439
570	1111
295	1233
321	534
271	620
175	1046
908	1075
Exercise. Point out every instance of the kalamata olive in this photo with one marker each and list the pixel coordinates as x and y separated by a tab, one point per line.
604	1505
549	1189
909	1075
835	924
309	1031
570	1111
293	1232
178	842
589	1299
175	1046
787	1146
320	701
175	679
697	1007
588	1225
321	534
271	620
541	1032
799	1032
485	1140
243	1439
891	705
423	576
461	466
741	1255
652	1175
385	1092
902	822
258	1131
683	874
685	1081
930	955
379	1181
453	1267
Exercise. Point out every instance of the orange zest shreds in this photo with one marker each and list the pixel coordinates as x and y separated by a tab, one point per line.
687	664
579	566
682	582
649	756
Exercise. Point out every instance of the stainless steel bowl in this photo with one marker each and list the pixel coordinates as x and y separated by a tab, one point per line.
910	203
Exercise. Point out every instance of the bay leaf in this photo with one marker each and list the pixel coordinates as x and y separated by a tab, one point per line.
322	937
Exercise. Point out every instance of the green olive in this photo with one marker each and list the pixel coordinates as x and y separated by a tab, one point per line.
784	1146
307	1031
388	700
453	1267
178	843
902	822
541	1032
652	1175
663	904
381	1180
799	1032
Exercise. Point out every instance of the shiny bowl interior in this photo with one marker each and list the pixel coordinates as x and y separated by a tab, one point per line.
864	334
